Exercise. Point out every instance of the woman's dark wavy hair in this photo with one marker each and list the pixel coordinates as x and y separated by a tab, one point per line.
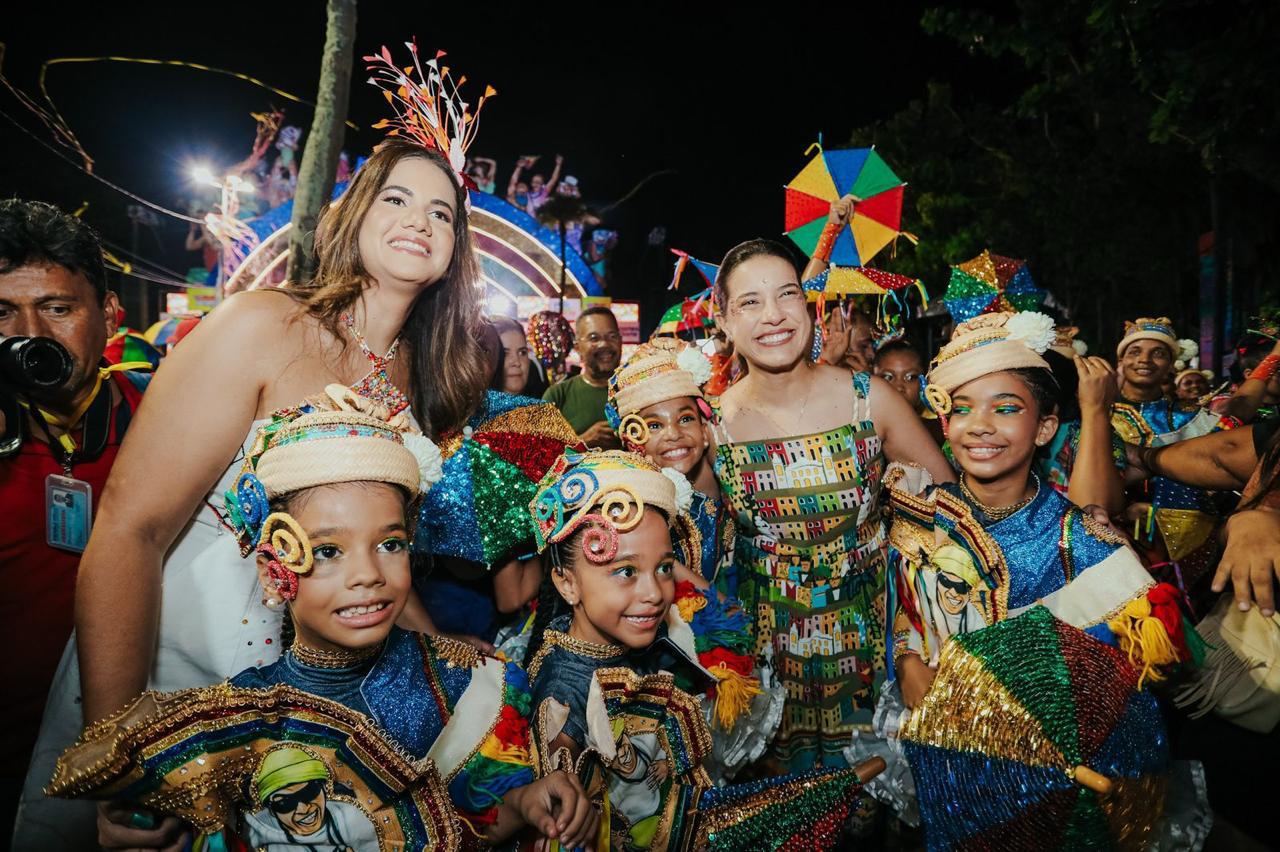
448	371
739	255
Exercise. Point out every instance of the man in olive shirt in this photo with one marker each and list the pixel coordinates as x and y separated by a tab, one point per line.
581	398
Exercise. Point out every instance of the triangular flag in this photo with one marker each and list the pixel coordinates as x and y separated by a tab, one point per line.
815	180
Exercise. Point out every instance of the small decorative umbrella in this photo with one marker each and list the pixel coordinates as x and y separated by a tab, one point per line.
128	345
877	210
692	314
990	283
479	510
891	305
1034	735
160	332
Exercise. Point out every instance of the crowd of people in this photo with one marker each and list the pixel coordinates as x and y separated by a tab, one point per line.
721	587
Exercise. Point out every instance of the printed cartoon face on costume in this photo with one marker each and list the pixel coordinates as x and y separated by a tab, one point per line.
677	434
953	593
407	235
996	425
599	344
300	808
623	601
48	300
360	580
1146	364
515	365
1192	386
765	313
902	369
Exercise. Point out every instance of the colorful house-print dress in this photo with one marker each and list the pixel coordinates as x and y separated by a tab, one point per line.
810	562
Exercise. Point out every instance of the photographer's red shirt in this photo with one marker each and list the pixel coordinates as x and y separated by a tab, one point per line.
37	606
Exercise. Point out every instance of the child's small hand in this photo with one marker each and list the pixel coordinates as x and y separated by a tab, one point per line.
557	807
915	677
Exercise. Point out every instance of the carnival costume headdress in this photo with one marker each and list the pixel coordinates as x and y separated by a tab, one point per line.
339	437
1066	344
605	491
429	110
988	343
662	369
1149	328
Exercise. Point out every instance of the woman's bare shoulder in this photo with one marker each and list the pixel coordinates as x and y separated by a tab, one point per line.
265	315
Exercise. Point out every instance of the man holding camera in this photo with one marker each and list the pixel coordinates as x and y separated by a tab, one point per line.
63	417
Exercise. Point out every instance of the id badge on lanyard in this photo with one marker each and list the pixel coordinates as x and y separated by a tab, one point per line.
68	510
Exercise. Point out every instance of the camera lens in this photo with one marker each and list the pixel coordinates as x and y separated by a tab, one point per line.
34	363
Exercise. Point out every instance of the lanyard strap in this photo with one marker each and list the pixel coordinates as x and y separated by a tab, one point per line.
95	411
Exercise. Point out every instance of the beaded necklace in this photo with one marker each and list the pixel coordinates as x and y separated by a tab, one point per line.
999	513
377	385
320	659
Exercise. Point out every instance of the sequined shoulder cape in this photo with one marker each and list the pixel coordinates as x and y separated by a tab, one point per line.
643	742
955	570
431	701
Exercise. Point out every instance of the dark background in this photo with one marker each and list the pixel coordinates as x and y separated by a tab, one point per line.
1103	140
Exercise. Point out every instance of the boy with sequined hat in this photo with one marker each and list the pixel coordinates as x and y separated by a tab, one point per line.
607	700
429	734
1174	523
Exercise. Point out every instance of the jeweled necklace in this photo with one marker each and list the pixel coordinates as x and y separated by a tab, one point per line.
377	385
998	513
340	659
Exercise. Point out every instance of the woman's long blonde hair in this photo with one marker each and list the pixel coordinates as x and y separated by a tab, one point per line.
447	371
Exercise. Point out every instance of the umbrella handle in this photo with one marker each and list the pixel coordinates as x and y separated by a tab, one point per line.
868	769
1087	778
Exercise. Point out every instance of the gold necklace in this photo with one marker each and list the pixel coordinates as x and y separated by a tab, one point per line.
997	513
341	659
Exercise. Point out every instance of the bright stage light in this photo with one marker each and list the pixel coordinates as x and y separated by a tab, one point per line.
204	174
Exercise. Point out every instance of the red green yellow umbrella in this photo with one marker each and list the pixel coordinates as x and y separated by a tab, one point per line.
877	209
1034	735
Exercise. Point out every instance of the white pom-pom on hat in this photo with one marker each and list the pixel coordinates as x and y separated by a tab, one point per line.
1034	329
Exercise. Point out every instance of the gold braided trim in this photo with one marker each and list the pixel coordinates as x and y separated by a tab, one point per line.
581	647
455	652
109	756
340	659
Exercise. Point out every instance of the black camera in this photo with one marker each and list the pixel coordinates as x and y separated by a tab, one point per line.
27	364
33	363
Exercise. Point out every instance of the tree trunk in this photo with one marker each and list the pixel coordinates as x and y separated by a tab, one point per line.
324	142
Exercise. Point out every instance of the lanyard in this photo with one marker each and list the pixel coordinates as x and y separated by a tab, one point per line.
95	411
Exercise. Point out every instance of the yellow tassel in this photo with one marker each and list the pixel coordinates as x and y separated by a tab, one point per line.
733	694
690	605
1144	639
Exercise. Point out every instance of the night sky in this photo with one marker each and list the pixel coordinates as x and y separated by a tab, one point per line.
728	101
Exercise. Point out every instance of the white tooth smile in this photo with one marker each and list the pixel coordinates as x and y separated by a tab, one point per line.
984	452
352	611
409	245
779	337
678	453
642	621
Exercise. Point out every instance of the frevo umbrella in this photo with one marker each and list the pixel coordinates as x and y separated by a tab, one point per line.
990	283
1034	735
479	510
877	210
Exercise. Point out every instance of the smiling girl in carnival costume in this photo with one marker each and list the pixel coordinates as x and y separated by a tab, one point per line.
657	406
999	541
362	733
606	699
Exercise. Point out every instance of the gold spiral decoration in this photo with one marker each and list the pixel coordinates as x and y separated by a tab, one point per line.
289	540
622	507
633	430
938	398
